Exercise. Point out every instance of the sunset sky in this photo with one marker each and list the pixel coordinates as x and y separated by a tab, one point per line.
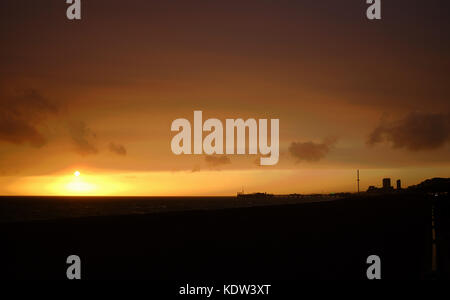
98	95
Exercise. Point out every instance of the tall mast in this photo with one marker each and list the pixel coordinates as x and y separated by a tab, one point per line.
357	178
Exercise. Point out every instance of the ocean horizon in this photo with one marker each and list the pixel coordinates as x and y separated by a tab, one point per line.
34	208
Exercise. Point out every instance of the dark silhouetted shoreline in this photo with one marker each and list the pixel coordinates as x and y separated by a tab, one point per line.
326	240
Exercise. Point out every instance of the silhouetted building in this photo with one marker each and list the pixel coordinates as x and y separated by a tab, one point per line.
372	189
386	188
254	196
387	184
399	184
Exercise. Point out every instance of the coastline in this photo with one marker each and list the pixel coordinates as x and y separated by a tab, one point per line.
325	240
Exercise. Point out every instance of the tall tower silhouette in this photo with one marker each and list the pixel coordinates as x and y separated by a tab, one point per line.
387	183
357	178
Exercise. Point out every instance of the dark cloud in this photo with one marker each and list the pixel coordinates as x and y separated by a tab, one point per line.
117	149
216	161
21	114
417	131
84	139
196	168
310	151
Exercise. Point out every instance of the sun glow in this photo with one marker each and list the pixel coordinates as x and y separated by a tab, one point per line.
87	184
81	187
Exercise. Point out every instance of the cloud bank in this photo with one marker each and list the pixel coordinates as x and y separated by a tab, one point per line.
117	149
215	161
416	132
83	138
21	114
310	151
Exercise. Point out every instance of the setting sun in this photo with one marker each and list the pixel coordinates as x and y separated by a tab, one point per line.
77	173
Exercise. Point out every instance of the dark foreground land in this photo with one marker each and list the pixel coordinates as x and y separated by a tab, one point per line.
329	240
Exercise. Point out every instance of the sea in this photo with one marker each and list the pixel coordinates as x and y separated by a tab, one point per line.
26	208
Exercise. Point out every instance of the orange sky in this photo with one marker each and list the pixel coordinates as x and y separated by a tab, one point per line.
99	95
